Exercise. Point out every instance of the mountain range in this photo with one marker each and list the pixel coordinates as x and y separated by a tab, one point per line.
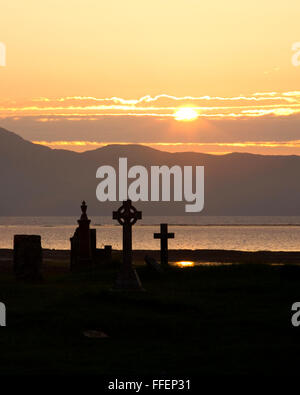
39	181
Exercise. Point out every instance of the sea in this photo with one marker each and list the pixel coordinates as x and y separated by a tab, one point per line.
191	232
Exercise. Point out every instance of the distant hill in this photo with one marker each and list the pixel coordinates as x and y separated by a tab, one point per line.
36	180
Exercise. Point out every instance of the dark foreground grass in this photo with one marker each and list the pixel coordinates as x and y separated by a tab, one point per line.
200	320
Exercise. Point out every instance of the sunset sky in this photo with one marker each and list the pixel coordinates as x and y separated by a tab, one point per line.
179	75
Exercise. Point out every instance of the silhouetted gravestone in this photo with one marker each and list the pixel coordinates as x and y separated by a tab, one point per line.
107	253
127	215
27	257
164	236
93	238
83	242
104	255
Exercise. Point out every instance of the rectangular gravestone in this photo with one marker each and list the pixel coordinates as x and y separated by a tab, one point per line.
104	255
93	240
27	257
76	258
107	253
74	249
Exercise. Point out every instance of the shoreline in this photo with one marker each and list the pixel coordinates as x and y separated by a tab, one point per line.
199	255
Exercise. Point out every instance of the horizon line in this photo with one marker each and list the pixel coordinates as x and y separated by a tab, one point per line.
51	145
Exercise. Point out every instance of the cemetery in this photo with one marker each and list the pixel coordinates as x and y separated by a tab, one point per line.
108	312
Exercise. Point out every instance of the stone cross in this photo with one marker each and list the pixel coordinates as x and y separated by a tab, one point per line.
127	215
164	236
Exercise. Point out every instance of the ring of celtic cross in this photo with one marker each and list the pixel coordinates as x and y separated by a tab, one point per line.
127	215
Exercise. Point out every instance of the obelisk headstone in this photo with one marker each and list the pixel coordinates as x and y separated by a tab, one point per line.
83	242
127	215
164	236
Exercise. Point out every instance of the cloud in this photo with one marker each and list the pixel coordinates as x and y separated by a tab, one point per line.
97	144
164	105
263	121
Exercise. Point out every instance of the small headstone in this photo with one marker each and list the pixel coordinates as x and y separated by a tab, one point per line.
27	257
153	265
103	255
107	253
127	215
164	236
93	238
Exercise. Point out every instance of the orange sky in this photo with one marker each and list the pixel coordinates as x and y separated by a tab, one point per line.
76	62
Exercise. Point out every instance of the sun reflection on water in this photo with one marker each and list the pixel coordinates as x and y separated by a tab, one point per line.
185	263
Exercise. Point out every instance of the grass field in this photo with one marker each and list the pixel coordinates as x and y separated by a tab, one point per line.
191	321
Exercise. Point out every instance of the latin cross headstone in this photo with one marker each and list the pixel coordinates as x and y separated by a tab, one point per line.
127	216
164	236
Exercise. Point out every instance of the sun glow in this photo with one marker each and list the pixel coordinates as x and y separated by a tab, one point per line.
186	114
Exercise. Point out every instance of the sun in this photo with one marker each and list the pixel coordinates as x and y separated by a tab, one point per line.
186	114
